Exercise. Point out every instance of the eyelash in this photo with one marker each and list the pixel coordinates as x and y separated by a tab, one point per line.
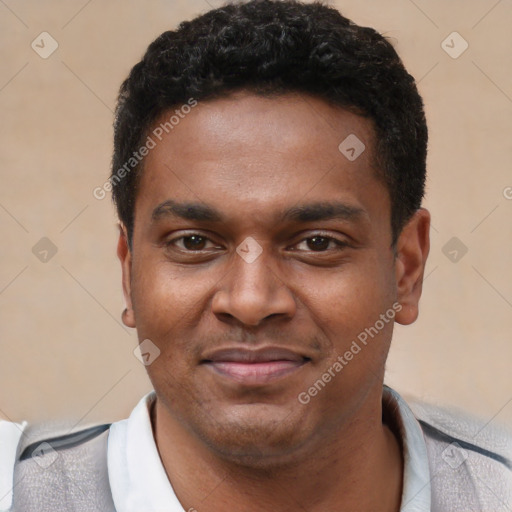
338	243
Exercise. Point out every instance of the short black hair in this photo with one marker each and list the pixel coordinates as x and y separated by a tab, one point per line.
271	47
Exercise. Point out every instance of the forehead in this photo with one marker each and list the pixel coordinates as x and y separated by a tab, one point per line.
257	155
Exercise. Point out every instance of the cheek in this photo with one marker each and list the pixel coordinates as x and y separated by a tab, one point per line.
165	297
346	301
170	305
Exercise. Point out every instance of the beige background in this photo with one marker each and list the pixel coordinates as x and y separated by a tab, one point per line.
64	353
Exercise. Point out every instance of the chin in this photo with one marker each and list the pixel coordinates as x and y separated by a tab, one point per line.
256	438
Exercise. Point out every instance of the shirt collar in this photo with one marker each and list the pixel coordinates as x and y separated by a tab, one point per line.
137	476
10	436
416	493
139	482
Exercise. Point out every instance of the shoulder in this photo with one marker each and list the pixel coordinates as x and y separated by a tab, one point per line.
470	458
486	437
41	441
55	466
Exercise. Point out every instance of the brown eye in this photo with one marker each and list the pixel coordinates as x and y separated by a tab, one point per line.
194	242
318	243
190	243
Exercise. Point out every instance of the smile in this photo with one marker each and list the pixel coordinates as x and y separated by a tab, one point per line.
255	367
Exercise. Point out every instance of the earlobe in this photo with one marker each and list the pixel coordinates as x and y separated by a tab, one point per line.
413	246
125	257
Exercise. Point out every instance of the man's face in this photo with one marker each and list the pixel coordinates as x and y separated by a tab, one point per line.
249	286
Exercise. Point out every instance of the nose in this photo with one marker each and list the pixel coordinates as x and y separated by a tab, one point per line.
252	291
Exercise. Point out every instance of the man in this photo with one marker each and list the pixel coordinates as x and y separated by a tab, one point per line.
268	172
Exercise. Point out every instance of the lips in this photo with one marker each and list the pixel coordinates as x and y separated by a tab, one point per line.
254	367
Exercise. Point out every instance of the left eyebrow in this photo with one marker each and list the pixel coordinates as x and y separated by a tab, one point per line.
323	211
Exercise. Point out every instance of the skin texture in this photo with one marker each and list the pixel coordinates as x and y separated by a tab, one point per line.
252	158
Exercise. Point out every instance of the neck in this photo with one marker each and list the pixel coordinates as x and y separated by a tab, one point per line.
358	467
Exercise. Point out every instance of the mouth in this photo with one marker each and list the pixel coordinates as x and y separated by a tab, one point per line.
255	367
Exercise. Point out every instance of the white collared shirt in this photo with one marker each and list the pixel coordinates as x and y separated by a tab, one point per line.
10	435
139	482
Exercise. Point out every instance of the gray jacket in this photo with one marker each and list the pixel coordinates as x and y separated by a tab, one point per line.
470	466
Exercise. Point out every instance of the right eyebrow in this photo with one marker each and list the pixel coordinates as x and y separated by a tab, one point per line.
187	211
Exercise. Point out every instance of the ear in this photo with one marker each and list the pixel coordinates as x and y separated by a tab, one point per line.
125	257
412	250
